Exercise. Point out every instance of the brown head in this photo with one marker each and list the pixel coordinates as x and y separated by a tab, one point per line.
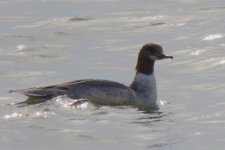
148	54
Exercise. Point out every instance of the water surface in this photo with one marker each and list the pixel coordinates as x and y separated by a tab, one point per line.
52	41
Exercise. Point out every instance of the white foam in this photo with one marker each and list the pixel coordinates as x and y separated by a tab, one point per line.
213	37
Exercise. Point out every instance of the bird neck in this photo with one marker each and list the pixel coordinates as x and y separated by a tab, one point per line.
145	87
145	66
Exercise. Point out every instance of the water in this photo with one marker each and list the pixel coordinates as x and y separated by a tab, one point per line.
52	41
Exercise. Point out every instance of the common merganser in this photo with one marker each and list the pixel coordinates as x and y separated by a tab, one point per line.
142	92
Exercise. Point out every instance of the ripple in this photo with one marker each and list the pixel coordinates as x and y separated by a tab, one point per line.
13	115
212	62
163	102
20	49
150	118
15	111
203	65
42	114
213	37
67	102
62	21
12	36
213	8
198	52
77	19
212	118
24	73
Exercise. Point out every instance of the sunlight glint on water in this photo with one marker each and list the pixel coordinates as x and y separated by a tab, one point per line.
53	41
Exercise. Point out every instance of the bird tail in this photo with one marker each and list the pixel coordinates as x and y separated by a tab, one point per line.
39	92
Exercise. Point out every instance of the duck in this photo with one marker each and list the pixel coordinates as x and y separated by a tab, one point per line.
142	92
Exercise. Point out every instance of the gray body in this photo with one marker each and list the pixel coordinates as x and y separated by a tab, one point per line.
102	92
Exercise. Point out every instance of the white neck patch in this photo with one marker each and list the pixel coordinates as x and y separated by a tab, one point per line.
146	87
